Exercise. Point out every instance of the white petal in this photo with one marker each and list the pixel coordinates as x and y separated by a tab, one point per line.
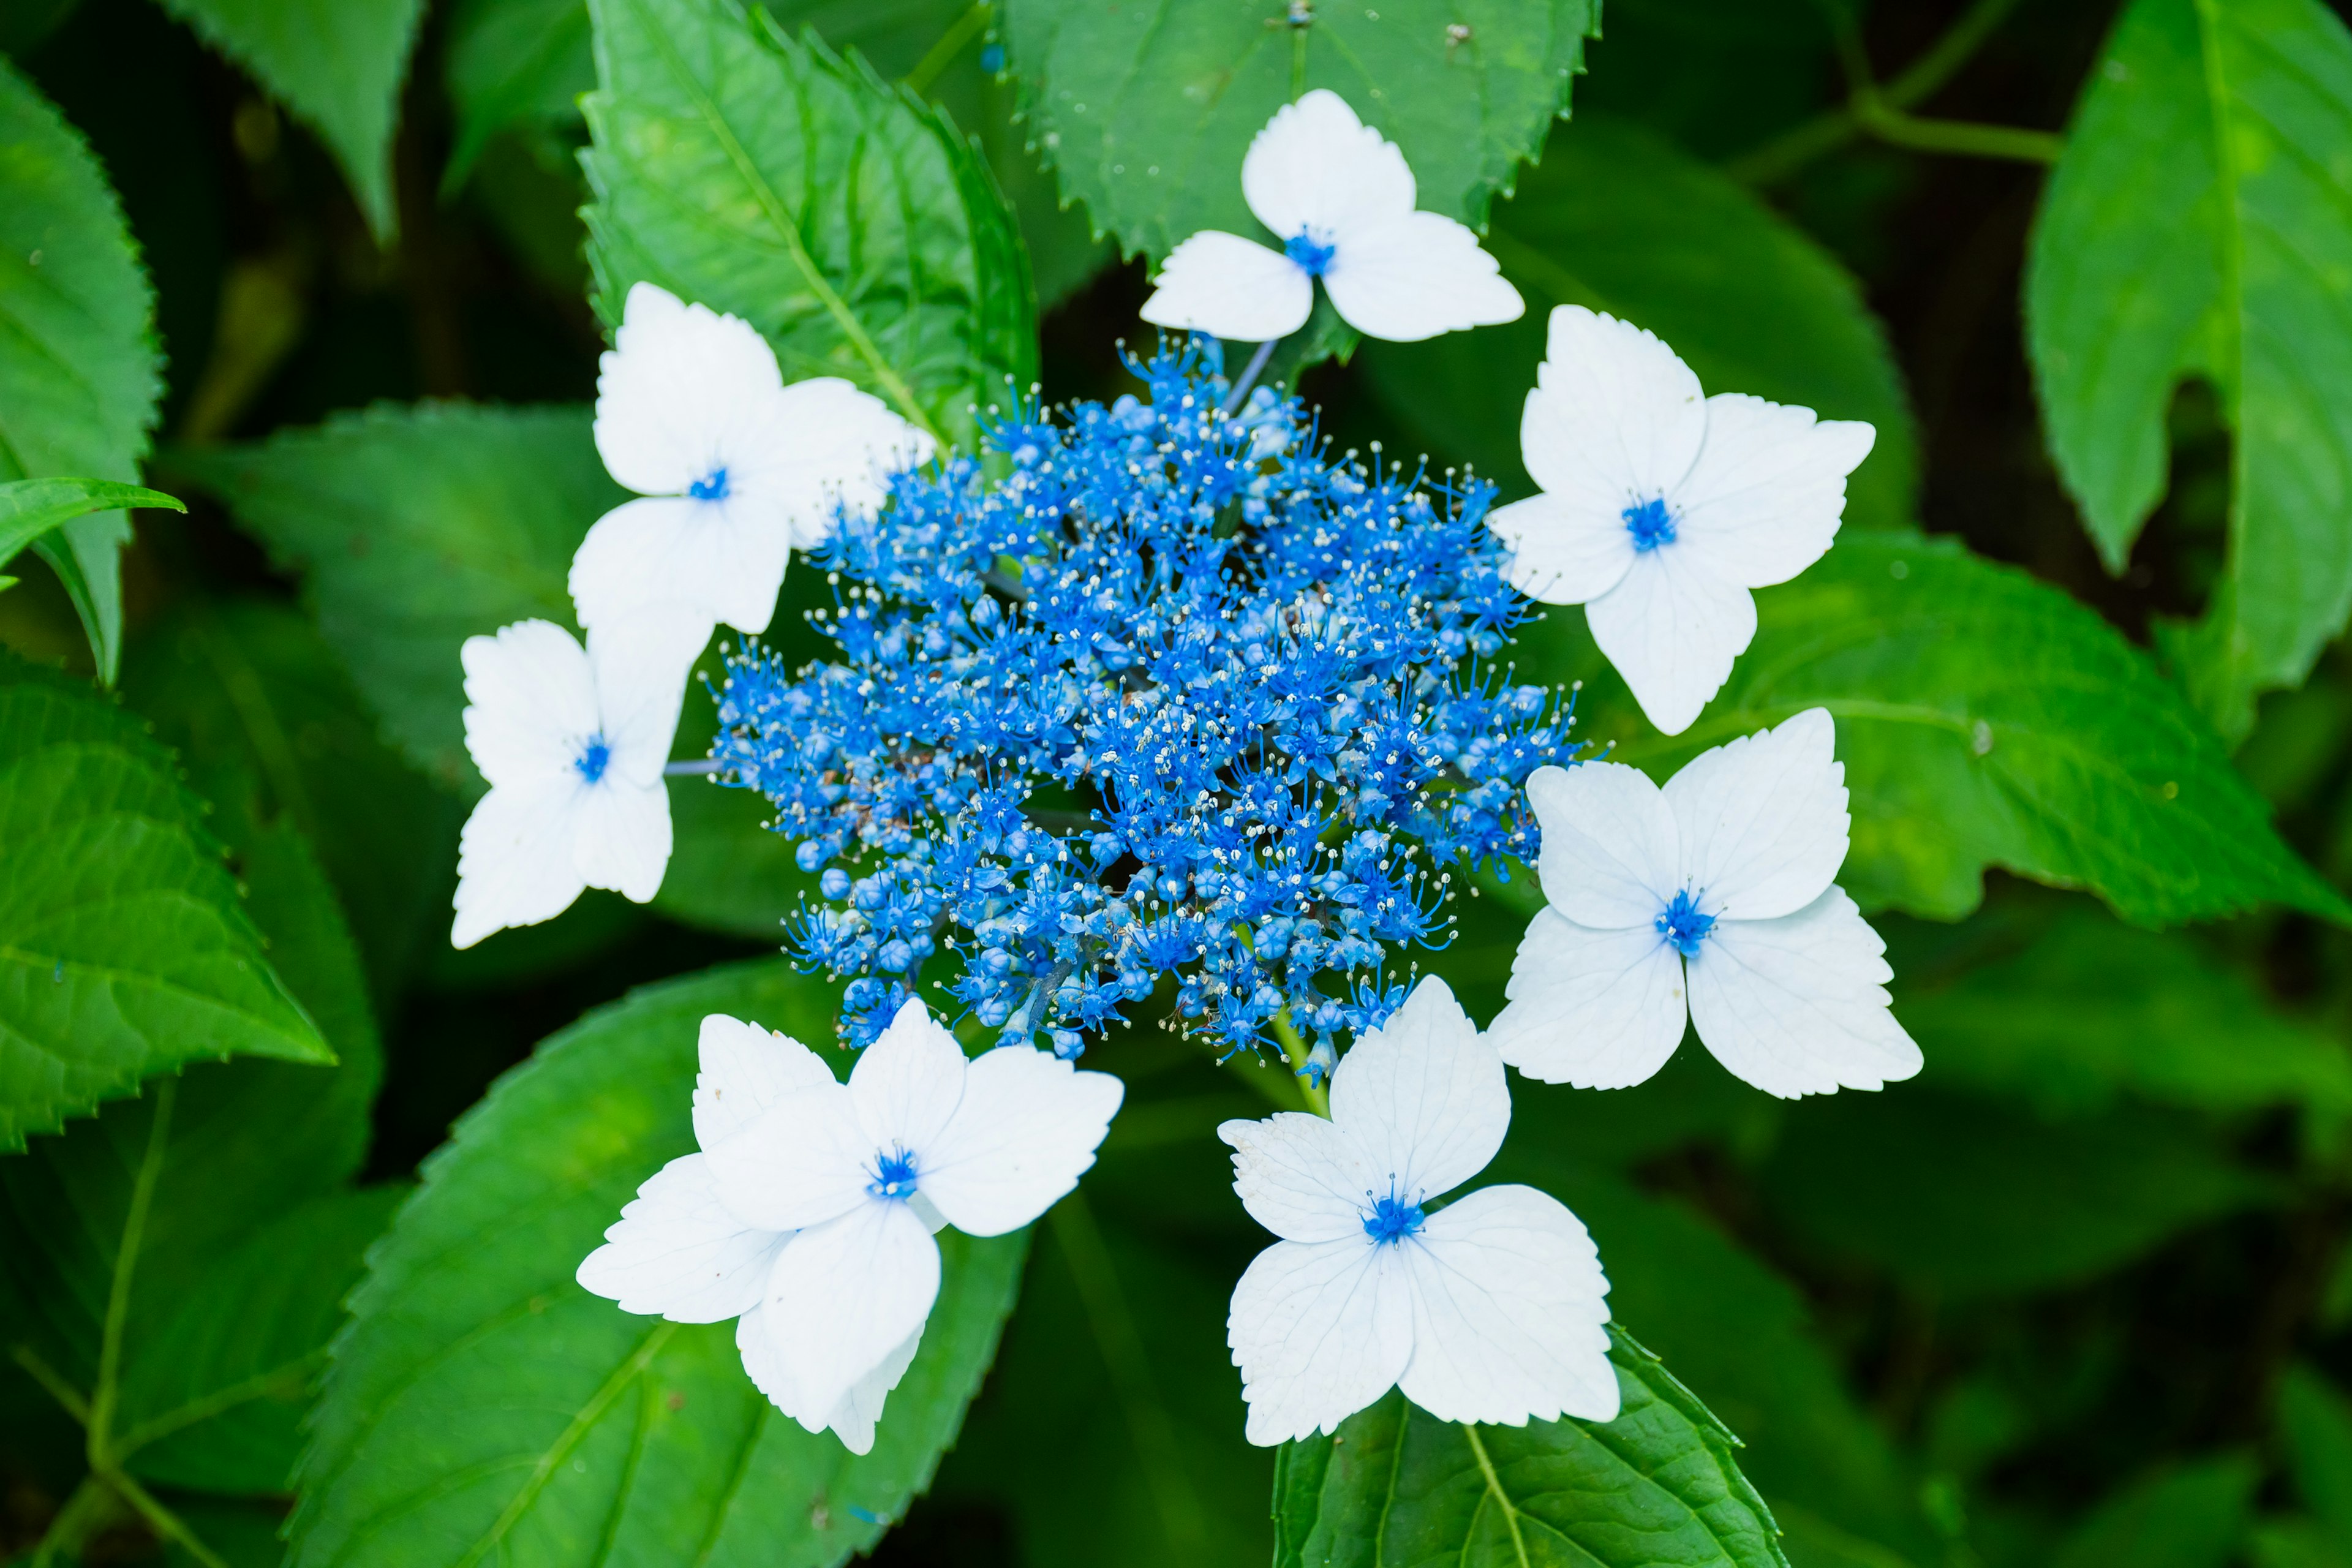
854	1418
800	1162
832	446
515	863
1423	1095
679	1252
642	663
1320	1330
1764	499
1235	287
745	1069
1610	855
1507	1308
531	697
907	1084
722	560
1026	1128
1763	818
679	379
621	836
1799	1005
1598	1009
1316	167
766	1368
1615	418
1302	1177
1416	276
1673	628
1565	549
845	1295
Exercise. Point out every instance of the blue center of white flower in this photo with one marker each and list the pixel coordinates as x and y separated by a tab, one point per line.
1650	524
1682	926
1391	1218
711	485
894	1175
593	758
1313	257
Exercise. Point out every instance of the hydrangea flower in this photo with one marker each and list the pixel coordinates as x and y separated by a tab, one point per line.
732	467
1178	693
1486	1310
573	742
1661	509
808	1214
1338	196
1720	882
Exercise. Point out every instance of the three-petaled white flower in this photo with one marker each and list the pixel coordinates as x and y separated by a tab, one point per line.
1720	882
1489	1309
1661	509
808	1214
573	742
733	468
1340	197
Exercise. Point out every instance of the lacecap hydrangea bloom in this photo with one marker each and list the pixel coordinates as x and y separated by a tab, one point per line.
1180	693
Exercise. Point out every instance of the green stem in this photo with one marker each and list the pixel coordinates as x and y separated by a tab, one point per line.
1959	137
1317	1095
162	1519
52	1383
89	1510
940	55
118	1294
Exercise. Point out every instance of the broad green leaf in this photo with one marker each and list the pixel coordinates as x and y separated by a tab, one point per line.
31	508
124	948
78	378
1984	719
336	64
2076	1010
482	1407
2185	234
416	528
1395	1486
849	221
2316	1425
1617	219
2287	1541
2186	1516
1144	111
1967	1197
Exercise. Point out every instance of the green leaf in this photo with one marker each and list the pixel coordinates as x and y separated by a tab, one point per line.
1970	1197
31	508
123	946
847	220
1145	109
1984	719
416	528
483	1406
336	64
1395	1485
1617	219
513	62
2203	177
78	379
2074	1010
2316	1425
2187	1516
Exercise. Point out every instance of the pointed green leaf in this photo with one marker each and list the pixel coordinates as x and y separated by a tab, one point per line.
2185	234
483	1407
2184	1516
31	508
2317	1424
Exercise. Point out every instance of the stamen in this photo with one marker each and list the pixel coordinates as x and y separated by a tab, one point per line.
593	758
894	1175
1650	523
1313	257
1682	926
712	485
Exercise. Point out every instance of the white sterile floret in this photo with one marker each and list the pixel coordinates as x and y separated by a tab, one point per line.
1661	509
571	742
733	468
1338	196
1720	882
1489	1309
808	1216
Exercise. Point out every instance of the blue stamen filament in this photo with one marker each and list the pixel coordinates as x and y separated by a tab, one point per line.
1391	1218
894	1175
593	758
1650	524
1682	926
1313	257
712	485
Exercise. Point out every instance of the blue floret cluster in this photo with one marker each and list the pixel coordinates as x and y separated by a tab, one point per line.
1151	689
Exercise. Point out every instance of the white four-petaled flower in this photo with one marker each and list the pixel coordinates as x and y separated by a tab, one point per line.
573	742
1489	1309
1661	509
1720	884
733	468
809	1213
1338	196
